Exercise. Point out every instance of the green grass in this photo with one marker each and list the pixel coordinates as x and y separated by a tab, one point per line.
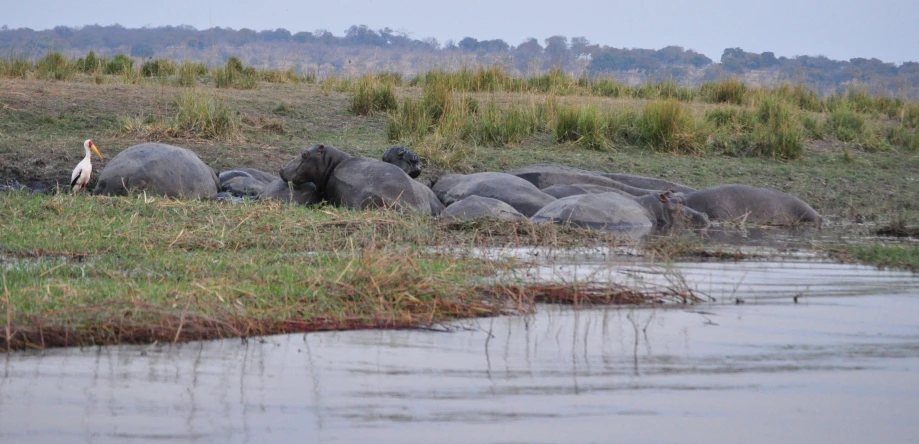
158	68
902	256
54	66
235	75
669	126
372	96
586	127
198	115
730	91
147	269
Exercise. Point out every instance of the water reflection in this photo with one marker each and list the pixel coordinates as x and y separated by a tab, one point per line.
827	368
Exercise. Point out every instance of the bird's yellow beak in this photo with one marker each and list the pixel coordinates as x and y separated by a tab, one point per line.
95	150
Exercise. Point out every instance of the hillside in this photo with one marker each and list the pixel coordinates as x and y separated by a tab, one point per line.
361	50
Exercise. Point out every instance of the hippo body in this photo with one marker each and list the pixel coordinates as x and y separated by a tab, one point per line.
422	192
560	191
546	175
158	169
244	182
606	211
354	182
258	175
512	190
751	204
279	189
612	211
474	207
649	183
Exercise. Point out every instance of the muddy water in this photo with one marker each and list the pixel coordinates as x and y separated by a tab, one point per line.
840	365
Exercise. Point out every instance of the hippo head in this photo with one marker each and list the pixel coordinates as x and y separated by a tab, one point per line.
674	215
677	215
404	159
312	165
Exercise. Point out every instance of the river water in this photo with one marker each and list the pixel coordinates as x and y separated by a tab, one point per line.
839	365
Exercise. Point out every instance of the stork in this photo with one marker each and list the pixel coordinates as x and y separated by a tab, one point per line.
84	169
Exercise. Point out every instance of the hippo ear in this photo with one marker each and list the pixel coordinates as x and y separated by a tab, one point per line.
663	197
320	150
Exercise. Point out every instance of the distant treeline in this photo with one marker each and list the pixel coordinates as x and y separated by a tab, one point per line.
362	49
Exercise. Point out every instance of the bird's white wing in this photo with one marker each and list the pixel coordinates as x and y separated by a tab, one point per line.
76	174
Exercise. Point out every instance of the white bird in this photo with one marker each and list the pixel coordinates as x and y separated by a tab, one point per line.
84	169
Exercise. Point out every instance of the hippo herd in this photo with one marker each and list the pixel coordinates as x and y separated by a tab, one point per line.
541	193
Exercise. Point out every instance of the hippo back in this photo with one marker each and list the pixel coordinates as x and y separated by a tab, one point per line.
546	175
303	194
360	182
512	190
608	211
474	207
648	183
159	169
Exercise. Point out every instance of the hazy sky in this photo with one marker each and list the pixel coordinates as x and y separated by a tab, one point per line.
841	29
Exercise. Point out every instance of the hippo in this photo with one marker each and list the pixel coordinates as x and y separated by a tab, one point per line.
512	190
753	205
612	211
604	211
474	207
646	182
560	191
279	189
668	211
423	192
546	175
244	182
355	182
405	159
159	169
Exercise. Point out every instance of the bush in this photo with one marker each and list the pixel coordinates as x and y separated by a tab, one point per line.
118	65
235	75
845	124
54	66
157	68
778	134
583	125
727	91
668	126
200	115
372	96
16	68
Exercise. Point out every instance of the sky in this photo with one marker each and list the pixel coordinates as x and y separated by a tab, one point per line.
840	30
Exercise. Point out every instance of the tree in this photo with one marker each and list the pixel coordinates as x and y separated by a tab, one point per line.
525	52
579	45
468	44
142	50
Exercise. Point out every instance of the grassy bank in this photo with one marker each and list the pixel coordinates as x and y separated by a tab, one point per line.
80	270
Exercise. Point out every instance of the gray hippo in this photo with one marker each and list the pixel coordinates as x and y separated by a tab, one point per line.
512	190
752	205
409	162
474	207
160	169
546	175
405	159
244	182
649	183
560	191
355	182
612	211
279	189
